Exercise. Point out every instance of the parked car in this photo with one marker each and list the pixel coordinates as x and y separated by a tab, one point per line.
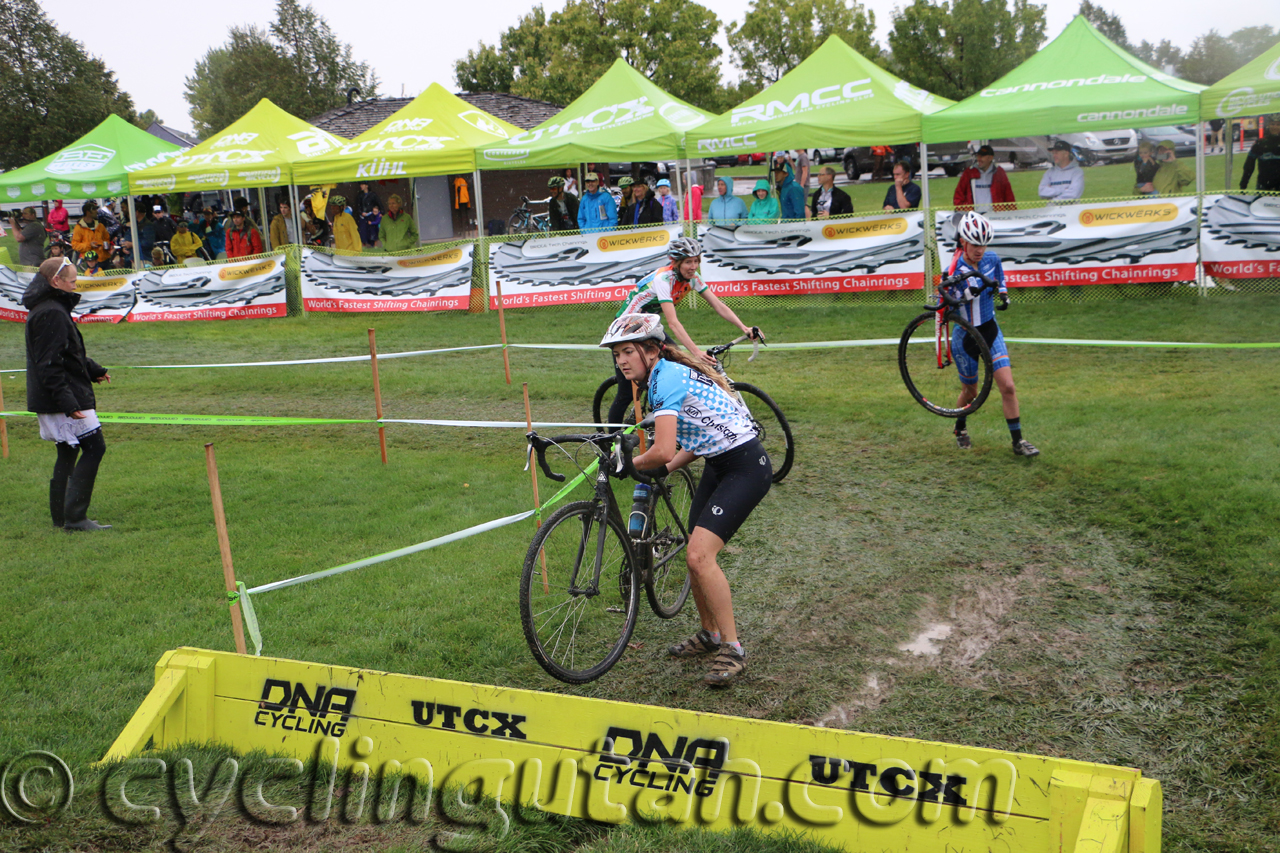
723	162
955	157
1184	144
752	159
1107	146
650	173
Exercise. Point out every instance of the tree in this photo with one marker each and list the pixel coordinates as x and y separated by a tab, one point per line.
298	62
1163	56
147	118
1107	24
1213	56
956	50
777	35
557	57
51	91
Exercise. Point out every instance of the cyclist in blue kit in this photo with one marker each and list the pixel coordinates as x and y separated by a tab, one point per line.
975	234
694	408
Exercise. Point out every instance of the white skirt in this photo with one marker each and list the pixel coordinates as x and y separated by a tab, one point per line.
66	429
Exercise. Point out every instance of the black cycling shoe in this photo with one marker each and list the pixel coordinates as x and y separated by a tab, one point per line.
962	439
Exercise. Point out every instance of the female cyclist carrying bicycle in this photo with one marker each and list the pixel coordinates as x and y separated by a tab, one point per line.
659	293
974	235
692	405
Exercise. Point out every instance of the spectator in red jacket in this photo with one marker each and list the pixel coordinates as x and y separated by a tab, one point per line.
58	219
984	187
243	239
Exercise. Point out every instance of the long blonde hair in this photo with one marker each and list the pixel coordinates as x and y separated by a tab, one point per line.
679	356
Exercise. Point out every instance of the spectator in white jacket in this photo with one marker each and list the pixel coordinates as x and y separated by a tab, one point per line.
1065	179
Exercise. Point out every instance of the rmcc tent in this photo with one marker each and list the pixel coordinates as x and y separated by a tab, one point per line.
1079	82
261	149
622	117
1250	91
97	164
437	133
836	97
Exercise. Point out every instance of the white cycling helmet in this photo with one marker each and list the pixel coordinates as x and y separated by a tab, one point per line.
976	229
633	327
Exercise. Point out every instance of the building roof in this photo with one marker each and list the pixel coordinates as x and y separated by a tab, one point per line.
169	134
351	120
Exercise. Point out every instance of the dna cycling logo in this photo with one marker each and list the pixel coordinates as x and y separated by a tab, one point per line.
826	96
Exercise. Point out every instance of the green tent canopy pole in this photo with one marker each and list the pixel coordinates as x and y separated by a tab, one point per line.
297	214
133	232
265	216
480	230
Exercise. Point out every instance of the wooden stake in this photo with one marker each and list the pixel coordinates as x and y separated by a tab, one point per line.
224	545
502	327
4	428
533	472
377	396
635	398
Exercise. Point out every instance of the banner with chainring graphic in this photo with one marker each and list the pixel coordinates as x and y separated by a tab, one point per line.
1240	237
438	281
601	266
251	289
102	299
817	256
1138	241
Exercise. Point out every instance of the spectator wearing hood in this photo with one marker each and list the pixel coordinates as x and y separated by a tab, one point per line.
60	379
58	218
670	210
790	196
90	234
184	244
828	199
209	230
726	208
764	207
1064	180
243	239
1174	175
640	205
597	210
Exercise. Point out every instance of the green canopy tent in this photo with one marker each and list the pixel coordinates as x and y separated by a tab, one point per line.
97	164
836	97
437	133
1252	90
261	149
1078	82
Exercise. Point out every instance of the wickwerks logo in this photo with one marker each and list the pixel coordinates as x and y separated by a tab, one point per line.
246	270
82	158
1244	98
826	96
641	240
866	228
1096	216
450	257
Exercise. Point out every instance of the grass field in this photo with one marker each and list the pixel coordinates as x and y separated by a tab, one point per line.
1113	600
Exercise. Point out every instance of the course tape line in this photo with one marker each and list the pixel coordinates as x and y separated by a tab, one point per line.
867	342
391	555
249	420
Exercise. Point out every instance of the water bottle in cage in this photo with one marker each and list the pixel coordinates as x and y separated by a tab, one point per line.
639	506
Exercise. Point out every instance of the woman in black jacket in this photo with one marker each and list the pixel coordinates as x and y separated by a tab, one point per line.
60	379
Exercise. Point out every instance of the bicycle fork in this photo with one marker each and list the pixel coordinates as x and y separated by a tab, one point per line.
942	340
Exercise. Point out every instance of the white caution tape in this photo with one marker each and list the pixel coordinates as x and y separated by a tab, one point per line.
495	424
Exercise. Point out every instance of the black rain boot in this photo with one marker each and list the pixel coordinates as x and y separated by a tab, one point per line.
58	485
80	488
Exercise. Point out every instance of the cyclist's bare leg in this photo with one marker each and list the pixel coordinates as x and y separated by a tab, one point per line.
967	393
709	585
1008	394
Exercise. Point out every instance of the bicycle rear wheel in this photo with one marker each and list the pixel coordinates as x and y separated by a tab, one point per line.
599	408
772	428
666	576
577	629
929	371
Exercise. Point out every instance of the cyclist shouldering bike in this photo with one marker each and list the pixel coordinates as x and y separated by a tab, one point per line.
659	293
694	408
974	235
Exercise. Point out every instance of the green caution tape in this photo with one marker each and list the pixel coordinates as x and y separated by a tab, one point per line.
204	420
250	618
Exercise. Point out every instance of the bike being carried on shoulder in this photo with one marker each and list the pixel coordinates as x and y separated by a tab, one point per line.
770	424
580	586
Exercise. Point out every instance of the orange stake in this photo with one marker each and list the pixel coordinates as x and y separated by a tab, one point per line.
377	396
4	428
533	471
502	327
224	544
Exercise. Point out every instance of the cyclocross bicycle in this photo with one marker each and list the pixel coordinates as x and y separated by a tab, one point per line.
770	424
580	587
525	221
925	358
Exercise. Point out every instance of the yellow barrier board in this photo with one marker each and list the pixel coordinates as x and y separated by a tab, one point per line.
615	761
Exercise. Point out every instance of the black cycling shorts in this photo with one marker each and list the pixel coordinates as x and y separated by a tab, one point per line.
732	484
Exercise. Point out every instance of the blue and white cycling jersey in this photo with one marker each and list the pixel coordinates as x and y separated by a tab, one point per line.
708	420
983	309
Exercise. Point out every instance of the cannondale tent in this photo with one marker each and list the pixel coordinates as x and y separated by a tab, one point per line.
1079	82
1251	91
95	165
836	97
260	149
437	133
622	117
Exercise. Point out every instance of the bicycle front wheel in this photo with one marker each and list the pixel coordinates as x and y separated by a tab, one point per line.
666	577
771	427
600	408
577	620
929	371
